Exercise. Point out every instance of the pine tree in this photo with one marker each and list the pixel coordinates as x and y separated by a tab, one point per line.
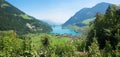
117	51
108	51
94	49
106	27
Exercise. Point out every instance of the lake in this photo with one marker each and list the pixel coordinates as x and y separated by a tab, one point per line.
60	30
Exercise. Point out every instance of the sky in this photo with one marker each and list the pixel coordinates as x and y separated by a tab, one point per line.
56	11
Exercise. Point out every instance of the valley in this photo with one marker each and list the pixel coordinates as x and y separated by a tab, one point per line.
90	32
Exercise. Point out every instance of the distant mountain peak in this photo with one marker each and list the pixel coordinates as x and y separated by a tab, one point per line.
87	13
103	3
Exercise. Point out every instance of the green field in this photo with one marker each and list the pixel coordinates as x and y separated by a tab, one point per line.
87	21
54	40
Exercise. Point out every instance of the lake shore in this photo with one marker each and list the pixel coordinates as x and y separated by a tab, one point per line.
59	30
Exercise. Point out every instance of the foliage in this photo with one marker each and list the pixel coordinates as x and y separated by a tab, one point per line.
12	18
94	49
117	51
80	45
108	52
106	27
8	44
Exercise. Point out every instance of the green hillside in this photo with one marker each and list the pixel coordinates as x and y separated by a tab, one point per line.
87	21
86	13
12	18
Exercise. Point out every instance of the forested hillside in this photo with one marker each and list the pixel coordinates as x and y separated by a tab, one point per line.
86	13
12	18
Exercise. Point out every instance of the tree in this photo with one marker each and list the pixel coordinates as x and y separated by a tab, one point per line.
108	51
9	44
106	27
94	49
117	51
27	47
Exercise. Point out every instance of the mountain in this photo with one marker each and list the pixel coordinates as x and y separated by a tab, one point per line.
49	22
12	18
86	13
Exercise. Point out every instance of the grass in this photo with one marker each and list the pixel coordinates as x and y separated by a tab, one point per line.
4	5
53	39
58	41
87	21
25	16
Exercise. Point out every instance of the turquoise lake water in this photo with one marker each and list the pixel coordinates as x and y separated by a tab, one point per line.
60	30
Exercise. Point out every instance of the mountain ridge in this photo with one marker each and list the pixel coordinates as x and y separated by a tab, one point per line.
11	18
86	13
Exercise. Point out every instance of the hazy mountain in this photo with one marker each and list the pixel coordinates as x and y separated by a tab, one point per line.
86	13
50	22
12	18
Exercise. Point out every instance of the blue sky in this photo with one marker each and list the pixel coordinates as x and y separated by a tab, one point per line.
57	11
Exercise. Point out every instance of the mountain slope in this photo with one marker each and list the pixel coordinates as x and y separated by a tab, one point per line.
12	18
86	13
